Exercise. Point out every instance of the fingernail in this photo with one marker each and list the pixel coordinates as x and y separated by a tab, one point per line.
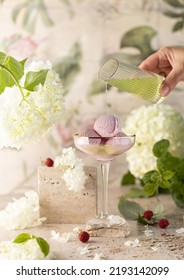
164	90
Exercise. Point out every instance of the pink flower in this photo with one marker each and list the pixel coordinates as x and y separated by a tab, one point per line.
19	47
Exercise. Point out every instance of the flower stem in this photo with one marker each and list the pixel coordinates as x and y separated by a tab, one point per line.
20	89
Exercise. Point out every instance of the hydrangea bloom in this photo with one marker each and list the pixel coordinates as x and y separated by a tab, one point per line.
133	243
29	250
22	213
30	119
74	175
64	237
151	124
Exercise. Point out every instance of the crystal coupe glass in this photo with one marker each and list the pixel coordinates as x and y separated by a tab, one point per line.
104	151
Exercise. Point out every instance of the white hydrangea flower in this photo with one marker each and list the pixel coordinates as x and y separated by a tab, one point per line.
27	121
98	257
151	124
155	248
133	243
74	175
148	232
64	237
28	250
180	230
22	213
83	250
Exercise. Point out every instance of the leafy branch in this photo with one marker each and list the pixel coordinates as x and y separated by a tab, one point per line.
131	210
11	72
169	174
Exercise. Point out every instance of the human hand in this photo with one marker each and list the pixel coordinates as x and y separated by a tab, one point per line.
168	62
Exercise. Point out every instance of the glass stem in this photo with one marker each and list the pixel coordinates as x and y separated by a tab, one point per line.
103	208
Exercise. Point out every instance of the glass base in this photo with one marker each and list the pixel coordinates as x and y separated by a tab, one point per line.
108	226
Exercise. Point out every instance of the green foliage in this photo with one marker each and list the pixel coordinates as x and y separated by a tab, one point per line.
24	237
175	3
30	12
133	211
140	38
135	192
129	209
44	246
169	174
160	148
35	78
11	71
128	179
178	14
168	177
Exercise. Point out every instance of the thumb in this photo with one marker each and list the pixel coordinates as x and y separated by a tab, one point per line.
169	83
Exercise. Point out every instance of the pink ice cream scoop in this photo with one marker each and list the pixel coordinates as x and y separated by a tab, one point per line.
120	139
93	137
107	126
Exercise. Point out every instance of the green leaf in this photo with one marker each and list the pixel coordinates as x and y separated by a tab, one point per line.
135	192
35	78
178	199
10	70
164	184
23	237
180	170
174	3
159	208
129	209
22	62
178	26
44	246
128	179
167	175
160	147
149	189
17	9
155	176
141	219
147	176
168	162
139	38
174	15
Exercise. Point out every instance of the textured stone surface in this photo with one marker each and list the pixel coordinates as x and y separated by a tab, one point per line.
109	232
61	205
164	244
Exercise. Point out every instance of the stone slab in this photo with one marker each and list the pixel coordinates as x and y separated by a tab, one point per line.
62	206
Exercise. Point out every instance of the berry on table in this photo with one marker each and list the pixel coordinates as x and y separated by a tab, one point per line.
163	223
84	236
49	162
148	214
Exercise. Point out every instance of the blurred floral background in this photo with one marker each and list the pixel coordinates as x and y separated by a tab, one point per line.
76	36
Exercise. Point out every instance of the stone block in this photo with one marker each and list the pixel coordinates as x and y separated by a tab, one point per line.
62	206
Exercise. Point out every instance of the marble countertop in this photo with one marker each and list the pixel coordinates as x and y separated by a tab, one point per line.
164	244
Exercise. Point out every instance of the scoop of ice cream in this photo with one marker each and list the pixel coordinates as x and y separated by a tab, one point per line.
93	137
107	125
120	139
